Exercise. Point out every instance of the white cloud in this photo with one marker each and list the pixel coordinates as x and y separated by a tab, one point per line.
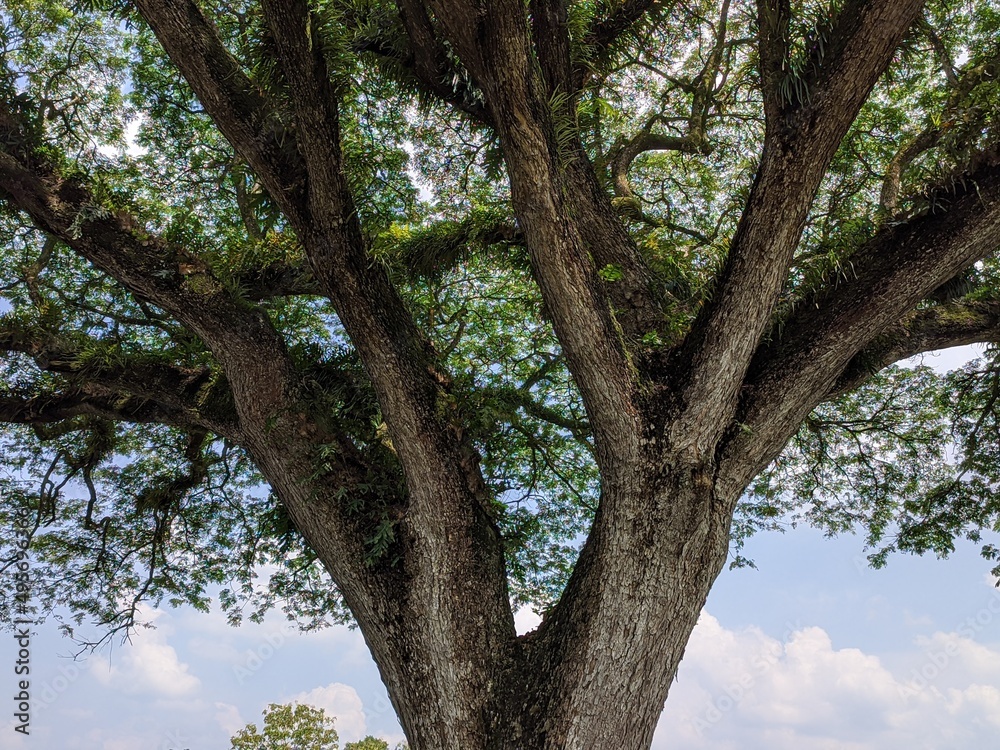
15	740
341	701
211	638
146	665
743	690
228	717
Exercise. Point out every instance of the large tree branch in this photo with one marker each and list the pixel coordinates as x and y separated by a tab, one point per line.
646	141
428	55
236	105
839	67
801	138
431	65
189	395
92	400
447	85
262	378
565	254
941	52
550	33
773	18
890	275
243	340
276	424
317	118
889	198
393	351
930	329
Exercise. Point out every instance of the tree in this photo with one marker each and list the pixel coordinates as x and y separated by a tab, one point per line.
547	302
368	743
289	727
298	726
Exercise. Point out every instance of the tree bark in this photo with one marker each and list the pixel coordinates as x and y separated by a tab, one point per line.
597	670
606	660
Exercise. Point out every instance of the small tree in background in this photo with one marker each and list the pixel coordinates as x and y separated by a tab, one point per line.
291	727
372	743
368	743
300	727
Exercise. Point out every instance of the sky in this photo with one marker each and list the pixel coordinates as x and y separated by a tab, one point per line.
813	650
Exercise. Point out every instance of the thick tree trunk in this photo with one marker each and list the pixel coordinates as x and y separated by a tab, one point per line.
442	641
601	666
595	673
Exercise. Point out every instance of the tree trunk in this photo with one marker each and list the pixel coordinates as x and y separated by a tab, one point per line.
601	667
438	622
597	670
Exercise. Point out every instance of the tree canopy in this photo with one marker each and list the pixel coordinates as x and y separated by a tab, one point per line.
409	302
298	726
289	727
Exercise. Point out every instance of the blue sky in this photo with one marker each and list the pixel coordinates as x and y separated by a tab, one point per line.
813	650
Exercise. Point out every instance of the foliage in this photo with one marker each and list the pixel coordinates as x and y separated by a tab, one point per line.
901	457
299	726
289	727
371	743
